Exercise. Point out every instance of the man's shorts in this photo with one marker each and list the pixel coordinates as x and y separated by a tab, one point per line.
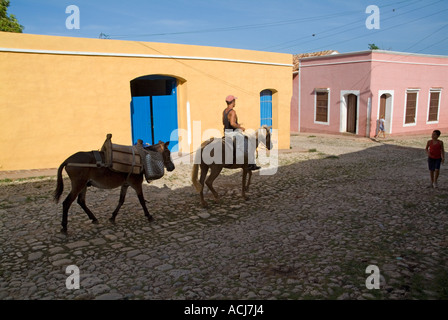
434	164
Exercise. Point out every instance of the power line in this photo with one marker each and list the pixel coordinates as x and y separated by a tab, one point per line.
357	27
250	26
386	29
357	21
426	37
340	30
434	44
240	27
211	76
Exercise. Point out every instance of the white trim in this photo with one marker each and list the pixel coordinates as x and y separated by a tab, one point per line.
378	51
374	60
369	116
439	90
188	123
328	106
389	109
417	63
299	98
416	107
343	109
333	63
135	55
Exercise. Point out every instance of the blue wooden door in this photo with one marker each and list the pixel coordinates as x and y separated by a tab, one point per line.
164	109
154	117
266	108
141	119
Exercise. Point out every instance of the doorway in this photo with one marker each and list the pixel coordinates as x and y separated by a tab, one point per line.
385	109
383	100
154	110
352	110
349	111
266	108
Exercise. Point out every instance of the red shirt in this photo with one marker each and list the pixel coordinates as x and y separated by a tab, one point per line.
435	150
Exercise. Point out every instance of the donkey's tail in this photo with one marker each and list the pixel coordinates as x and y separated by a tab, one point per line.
60	183
194	177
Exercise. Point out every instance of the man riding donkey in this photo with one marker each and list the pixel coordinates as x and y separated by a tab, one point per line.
235	150
234	130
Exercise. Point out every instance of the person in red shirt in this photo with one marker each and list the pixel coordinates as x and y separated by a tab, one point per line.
436	156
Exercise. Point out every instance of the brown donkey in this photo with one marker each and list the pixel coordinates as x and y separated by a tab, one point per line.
216	168
104	178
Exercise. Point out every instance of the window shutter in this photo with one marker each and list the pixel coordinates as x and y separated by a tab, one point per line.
322	106
411	106
433	106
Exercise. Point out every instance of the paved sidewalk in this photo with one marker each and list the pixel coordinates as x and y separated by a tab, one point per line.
25	174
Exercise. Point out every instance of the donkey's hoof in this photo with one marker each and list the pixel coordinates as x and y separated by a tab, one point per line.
150	218
204	205
112	220
64	231
95	221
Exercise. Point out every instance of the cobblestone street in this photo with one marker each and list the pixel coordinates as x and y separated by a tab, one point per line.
336	205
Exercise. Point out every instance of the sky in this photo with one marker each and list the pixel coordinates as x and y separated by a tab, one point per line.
286	26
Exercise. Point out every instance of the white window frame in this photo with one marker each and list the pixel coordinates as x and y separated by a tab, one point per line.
439	90
328	105
405	106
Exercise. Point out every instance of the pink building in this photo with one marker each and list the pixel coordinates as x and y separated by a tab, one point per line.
349	92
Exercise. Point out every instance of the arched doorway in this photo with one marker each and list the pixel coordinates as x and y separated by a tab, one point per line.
385	109
154	110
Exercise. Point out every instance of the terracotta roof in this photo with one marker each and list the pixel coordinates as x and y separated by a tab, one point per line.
296	57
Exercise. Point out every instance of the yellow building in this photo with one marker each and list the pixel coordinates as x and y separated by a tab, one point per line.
60	95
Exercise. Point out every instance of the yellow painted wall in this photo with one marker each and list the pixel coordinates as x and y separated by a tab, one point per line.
53	105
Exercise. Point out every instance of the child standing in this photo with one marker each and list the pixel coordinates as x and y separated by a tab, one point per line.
436	156
381	128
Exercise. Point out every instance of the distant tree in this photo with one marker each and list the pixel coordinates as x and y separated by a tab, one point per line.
8	23
373	46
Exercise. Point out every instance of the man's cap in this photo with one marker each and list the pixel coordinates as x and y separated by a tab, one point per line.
230	98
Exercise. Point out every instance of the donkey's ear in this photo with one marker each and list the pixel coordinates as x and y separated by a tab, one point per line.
167	143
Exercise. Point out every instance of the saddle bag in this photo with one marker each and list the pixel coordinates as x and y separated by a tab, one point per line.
133	159
121	158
